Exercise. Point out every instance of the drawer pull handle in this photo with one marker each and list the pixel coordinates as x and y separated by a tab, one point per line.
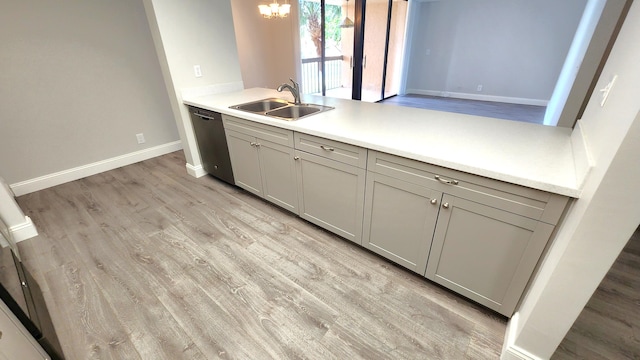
434	201
255	144
445	181
445	205
296	158
326	148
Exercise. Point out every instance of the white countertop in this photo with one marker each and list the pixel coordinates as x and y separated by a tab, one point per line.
531	155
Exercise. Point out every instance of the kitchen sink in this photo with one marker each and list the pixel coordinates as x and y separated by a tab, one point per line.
281	109
294	112
261	106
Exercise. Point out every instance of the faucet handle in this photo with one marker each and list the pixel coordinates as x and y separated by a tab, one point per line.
295	84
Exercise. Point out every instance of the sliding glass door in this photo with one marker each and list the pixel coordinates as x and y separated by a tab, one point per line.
395	46
373	57
326	48
352	49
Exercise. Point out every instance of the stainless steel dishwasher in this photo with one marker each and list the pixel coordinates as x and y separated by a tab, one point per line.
212	143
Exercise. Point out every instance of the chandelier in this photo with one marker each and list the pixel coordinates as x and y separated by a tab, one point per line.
274	10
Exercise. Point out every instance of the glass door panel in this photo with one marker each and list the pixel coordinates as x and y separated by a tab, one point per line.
338	72
375	35
311	46
396	43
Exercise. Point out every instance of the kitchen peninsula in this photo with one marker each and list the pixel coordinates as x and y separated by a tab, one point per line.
468	202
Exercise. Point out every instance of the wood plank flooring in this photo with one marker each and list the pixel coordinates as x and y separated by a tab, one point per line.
609	326
517	112
146	262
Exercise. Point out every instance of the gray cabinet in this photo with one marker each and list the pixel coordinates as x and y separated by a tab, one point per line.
399	221
483	240
477	236
484	253
331	185
263	161
245	160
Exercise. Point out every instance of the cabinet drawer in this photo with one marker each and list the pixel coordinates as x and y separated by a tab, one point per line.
532	203
345	153
262	131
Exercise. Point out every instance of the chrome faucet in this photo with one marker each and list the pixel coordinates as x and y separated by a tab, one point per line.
295	91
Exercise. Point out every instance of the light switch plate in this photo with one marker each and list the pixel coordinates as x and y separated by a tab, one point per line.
606	90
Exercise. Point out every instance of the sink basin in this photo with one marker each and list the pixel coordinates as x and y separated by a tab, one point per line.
262	106
294	112
281	109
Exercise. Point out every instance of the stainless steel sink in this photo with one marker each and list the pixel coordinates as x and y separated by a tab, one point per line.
281	109
294	112
261	106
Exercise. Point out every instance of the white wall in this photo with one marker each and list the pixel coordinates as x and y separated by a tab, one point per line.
188	33
601	222
514	49
267	47
78	80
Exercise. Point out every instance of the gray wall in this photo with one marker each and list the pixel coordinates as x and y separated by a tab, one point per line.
78	80
514	48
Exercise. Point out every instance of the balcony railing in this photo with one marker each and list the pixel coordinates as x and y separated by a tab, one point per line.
312	74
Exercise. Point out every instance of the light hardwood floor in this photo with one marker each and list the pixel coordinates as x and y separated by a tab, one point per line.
516	112
608	328
146	262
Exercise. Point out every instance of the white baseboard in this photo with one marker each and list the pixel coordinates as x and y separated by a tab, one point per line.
196	171
509	350
481	97
24	231
61	177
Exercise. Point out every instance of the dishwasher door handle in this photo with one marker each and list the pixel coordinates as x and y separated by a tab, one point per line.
204	117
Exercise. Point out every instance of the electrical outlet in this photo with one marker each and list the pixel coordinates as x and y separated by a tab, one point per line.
140	138
479	88
197	71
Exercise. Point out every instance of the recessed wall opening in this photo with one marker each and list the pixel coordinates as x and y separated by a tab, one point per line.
522	60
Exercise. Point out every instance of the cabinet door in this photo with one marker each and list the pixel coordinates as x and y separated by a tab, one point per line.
484	253
278	174
331	194
399	220
246	164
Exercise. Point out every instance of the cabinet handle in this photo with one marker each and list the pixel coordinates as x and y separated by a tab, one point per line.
326	148
252	143
434	201
445	181
445	205
296	158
